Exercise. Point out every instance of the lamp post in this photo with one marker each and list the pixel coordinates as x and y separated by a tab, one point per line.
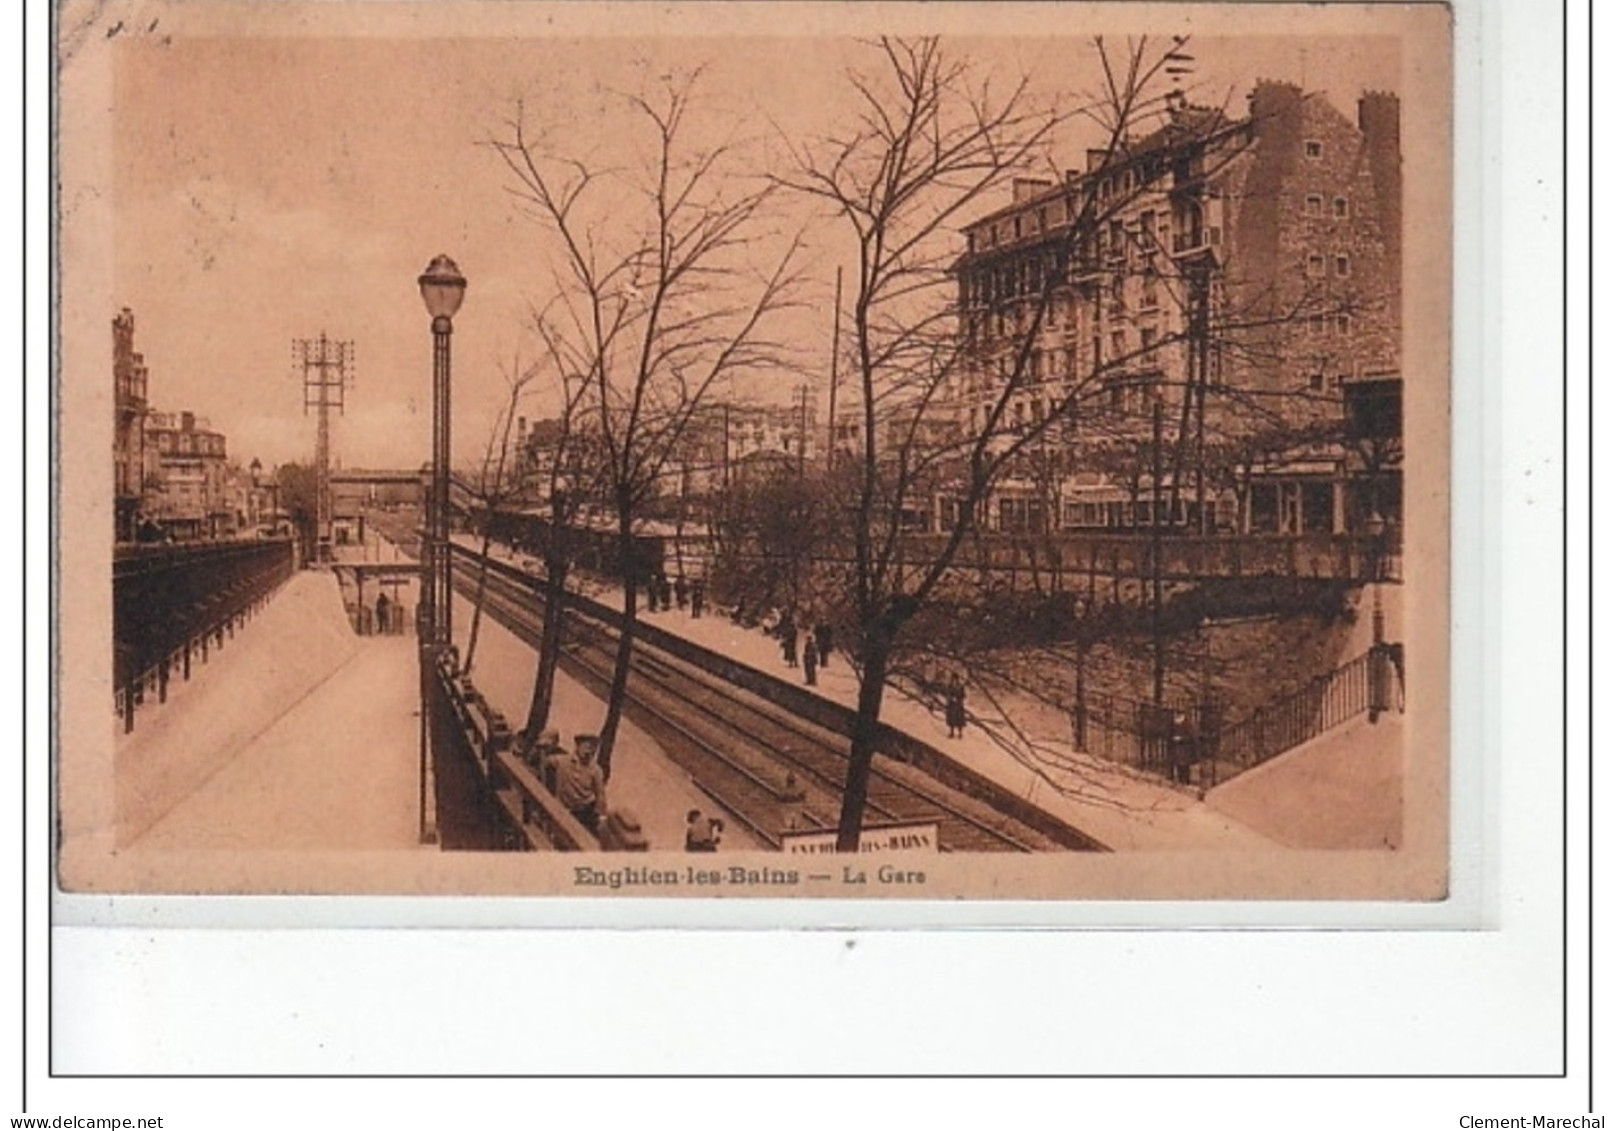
1378	691
442	289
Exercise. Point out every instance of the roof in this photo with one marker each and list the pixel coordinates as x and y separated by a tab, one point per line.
1191	124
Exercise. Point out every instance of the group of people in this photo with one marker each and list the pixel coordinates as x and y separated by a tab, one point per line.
660	593
816	642
574	776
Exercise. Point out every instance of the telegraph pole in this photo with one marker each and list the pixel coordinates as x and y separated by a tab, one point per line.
835	371
801	431
326	368
1155	557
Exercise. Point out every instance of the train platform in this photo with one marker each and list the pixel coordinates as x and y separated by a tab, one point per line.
643	778
297	734
1023	745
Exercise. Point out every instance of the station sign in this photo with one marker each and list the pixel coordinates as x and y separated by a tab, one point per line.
920	837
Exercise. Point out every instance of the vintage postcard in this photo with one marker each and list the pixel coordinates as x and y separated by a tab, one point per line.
801	451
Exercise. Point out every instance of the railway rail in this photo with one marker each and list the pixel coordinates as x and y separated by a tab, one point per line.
773	771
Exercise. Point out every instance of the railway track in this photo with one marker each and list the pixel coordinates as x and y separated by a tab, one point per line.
770	769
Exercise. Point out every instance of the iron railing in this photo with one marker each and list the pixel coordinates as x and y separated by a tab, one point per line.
1369	684
516	781
1174	737
172	602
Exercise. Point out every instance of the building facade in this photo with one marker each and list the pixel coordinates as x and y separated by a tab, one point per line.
195	496
1225	283
132	467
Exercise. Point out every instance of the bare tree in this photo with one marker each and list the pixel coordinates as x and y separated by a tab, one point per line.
567	475
659	299
494	489
930	143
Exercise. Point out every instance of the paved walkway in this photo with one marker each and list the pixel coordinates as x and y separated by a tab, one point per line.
297	735
1341	790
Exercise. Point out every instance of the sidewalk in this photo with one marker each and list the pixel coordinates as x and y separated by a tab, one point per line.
297	735
1122	808
643	778
1341	790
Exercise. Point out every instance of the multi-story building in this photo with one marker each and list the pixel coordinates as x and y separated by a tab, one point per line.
193	498
1238	279
131	466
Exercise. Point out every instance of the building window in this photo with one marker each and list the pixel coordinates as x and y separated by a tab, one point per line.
1316	326
1343	324
1314	150
1314	205
1315	382
1118	344
1315	266
1017	227
1342	208
1342	266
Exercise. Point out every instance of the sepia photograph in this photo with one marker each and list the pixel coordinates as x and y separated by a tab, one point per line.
876	452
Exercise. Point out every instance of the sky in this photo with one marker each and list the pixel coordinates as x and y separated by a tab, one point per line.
274	188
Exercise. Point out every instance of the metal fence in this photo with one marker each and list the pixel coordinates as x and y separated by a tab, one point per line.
1369	684
1187	739
170	603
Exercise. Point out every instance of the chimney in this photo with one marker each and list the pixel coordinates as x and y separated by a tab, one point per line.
1379	117
1275	109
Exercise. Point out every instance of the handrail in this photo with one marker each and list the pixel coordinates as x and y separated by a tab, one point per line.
171	601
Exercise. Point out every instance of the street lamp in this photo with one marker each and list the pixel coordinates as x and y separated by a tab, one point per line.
1378	693
442	289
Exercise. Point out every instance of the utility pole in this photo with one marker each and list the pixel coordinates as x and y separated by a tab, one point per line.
1199	374
326	368
835	371
801	431
1155	556
726	444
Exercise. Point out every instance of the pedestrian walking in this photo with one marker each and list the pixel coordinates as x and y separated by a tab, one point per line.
822	635
383	621
787	640
681	591
580	786
810	661
698	598
955	709
666	593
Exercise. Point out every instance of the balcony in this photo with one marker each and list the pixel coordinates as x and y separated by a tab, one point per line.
1205	241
